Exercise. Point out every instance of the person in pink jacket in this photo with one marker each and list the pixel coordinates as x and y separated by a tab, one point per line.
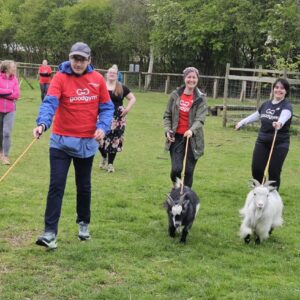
9	93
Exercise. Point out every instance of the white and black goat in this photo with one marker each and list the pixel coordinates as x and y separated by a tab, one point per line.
181	209
261	213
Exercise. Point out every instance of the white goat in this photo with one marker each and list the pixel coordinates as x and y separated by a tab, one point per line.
261	213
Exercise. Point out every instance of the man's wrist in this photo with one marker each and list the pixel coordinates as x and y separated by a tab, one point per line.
43	126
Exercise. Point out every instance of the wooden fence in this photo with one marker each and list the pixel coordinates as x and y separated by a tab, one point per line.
234	90
143	81
254	78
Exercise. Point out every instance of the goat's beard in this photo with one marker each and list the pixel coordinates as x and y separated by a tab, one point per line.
258	212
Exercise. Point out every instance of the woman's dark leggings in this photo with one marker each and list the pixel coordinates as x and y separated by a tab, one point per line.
177	151
260	158
111	156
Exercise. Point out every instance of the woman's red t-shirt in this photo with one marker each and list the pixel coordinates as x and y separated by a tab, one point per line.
185	105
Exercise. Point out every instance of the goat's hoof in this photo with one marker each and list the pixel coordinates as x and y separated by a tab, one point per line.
182	241
247	239
271	230
172	234
257	241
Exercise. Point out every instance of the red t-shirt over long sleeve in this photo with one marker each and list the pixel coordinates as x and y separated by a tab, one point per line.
185	105
79	99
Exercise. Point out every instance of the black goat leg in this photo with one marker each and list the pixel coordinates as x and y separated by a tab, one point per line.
184	235
172	231
257	240
247	239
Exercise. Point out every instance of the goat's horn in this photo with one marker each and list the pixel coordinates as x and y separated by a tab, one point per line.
255	182
170	200
269	182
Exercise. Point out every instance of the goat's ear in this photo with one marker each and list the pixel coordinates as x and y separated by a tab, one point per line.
272	188
186	203
253	183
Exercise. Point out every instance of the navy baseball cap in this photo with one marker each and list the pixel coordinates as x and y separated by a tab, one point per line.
81	49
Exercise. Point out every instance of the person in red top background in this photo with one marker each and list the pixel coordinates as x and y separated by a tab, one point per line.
79	104
44	75
184	117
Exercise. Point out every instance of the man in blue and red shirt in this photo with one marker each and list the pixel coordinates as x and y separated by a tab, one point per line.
83	110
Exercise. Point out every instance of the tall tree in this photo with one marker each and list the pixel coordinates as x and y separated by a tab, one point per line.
282	47
33	30
131	30
9	15
91	21
211	33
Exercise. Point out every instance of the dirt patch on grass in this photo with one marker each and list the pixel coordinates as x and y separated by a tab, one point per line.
19	239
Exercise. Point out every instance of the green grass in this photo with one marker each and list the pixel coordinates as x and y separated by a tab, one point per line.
130	255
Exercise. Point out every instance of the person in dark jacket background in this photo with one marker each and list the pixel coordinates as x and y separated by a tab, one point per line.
83	110
184	117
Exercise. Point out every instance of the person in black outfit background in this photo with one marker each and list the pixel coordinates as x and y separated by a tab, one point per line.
275	114
114	141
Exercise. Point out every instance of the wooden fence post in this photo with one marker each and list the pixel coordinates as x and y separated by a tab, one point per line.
225	94
125	79
167	84
253	86
243	91
146	82
215	88
140	81
258	95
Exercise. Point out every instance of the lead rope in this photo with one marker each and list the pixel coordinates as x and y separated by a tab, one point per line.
268	162
184	164
17	160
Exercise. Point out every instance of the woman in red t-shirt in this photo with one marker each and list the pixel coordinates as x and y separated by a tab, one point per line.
44	78
184	117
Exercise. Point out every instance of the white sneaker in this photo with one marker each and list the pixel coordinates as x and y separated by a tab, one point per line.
110	168
103	164
83	233
48	240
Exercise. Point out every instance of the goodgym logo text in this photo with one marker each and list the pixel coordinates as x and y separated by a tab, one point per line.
83	96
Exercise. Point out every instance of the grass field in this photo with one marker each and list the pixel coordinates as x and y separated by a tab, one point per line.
130	255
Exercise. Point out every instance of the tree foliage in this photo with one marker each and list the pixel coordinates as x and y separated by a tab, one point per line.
204	33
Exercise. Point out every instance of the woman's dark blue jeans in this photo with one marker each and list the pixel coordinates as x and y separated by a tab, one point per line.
59	167
44	89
